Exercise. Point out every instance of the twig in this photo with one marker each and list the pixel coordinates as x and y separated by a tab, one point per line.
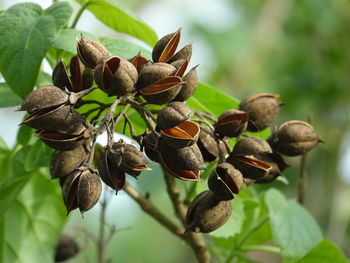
101	244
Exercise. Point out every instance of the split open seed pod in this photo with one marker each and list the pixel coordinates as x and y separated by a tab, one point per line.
64	163
162	91
263	109
190	85
166	47
66	248
116	76
206	213
209	146
149	142
182	135
138	61
294	138
90	52
173	114
225	181
277	166
183	53
251	146
232	123
81	189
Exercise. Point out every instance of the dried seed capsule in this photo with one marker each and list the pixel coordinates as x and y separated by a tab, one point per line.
294	138
173	114
232	123
183	53
182	135
277	166
190	85
251	146
262	108
209	147
66	248
165	48
225	181
149	142
64	163
116	76
206	214
90	52
138	61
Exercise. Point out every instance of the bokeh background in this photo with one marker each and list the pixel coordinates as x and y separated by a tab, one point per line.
298	49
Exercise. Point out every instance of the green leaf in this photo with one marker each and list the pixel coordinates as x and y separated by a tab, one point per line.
29	230
124	49
39	155
43	79
7	97
121	19
294	229
67	39
324	252
235	223
24	135
26	33
211	100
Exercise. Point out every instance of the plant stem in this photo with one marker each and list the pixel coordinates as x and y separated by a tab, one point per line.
252	230
80	12
101	237
265	248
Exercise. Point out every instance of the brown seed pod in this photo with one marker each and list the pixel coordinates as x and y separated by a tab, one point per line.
116	76
232	123
251	146
152	73
190	85
250	166
149	142
183	53
277	166
262	108
166	47
182	135
43	98
187	158
64	163
225	181
206	214
138	61
162	91
90	52
66	248
209	147
294	138
81	189
173	114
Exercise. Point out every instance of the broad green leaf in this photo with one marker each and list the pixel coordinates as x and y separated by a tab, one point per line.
24	135
124	49
26	33
235	223
43	79
121	19
3	145
294	229
7	97
38	156
211	100
30	228
324	252
67	39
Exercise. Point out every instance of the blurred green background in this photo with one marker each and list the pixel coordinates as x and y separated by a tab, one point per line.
298	49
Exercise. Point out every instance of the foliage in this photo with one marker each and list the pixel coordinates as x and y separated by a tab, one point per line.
32	214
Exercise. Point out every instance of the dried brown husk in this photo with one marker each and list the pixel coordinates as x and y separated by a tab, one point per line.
173	114
186	175
166	47
277	166
64	163
249	166
294	138
209	146
182	135
190	85
66	248
232	123
138	61
183	53
149	143
263	109
181	68
90	52
89	190
251	146
225	181
206	214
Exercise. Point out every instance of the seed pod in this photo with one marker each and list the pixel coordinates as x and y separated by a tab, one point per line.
173	114
225	181
183	53
190	85
206	214
90	52
66	248
64	163
188	158
186	175
149	142
165	48
209	147
138	61
182	135
81	189
294	138
277	166
116	76
43	98
151	73
232	123
251	146
262	108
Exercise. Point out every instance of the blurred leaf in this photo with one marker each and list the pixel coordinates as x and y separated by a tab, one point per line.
67	39
24	135
294	229
120	19
30	228
124	49
38	156
44	79
7	97
235	223
324	252
26	33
